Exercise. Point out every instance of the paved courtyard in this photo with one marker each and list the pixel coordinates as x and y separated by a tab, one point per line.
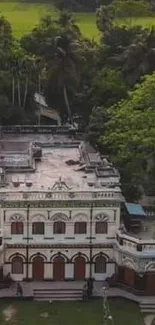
28	288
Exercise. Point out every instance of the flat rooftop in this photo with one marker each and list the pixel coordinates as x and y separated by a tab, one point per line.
58	161
51	167
8	146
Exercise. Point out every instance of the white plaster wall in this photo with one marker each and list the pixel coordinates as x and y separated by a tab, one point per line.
87	270
30	271
69	271
1	218
49	253
48	271
69	267
118	256
77	214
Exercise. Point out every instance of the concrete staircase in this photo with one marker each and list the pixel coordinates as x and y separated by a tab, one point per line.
57	294
147	307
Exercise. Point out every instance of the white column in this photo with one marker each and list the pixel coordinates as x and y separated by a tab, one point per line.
69	271
48	271
30	270
87	270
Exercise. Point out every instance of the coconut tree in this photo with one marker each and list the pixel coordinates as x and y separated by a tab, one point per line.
68	25
28	70
15	66
64	68
139	58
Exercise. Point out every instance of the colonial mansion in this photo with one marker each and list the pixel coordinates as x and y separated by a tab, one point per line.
63	215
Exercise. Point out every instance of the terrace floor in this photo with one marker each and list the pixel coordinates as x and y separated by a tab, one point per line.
28	288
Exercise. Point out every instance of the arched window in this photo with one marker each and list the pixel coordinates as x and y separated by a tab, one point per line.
80	228
100	264
17	265
17	228
59	227
101	227
38	228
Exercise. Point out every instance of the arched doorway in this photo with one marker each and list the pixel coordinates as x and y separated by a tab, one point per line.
38	268
58	268
17	265
79	268
150	283
129	277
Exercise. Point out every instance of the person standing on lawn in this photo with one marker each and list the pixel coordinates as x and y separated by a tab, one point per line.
19	291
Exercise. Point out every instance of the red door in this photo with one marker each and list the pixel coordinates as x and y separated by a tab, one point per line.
150	283
79	268
58	268
38	268
129	277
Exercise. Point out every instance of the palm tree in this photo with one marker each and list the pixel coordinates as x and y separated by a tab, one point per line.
68	25
105	18
64	68
16	62
139	58
28	70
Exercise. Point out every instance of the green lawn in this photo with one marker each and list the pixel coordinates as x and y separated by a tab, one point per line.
70	313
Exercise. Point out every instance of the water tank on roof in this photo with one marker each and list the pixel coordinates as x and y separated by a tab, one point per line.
37	152
28	183
16	183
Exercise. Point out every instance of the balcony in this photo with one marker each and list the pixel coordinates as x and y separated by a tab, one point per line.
135	243
59	195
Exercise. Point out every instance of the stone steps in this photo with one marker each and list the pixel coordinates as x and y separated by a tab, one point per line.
57	294
147	307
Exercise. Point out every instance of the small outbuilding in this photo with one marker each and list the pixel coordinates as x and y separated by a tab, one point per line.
133	214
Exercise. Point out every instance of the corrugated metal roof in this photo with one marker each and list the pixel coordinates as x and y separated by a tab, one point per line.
40	99
135	209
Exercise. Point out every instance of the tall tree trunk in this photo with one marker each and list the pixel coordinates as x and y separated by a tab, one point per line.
67	104
39	84
39	91
13	90
25	92
19	97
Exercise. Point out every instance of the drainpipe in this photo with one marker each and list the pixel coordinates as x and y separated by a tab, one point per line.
27	243
3	257
90	242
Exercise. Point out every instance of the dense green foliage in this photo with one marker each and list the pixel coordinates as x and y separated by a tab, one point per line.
130	132
95	81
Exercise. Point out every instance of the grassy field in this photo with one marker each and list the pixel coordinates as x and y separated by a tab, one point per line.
68	313
23	17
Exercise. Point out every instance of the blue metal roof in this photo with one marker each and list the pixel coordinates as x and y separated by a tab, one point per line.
135	209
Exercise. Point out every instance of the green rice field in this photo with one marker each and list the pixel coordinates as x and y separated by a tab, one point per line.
23	17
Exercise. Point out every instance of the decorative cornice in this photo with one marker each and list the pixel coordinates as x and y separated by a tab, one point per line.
58	204
65	246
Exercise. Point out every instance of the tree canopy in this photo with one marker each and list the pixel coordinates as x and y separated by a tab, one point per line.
108	85
130	131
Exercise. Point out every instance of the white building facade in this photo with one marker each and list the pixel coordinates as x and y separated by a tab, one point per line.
60	215
59	243
59	220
